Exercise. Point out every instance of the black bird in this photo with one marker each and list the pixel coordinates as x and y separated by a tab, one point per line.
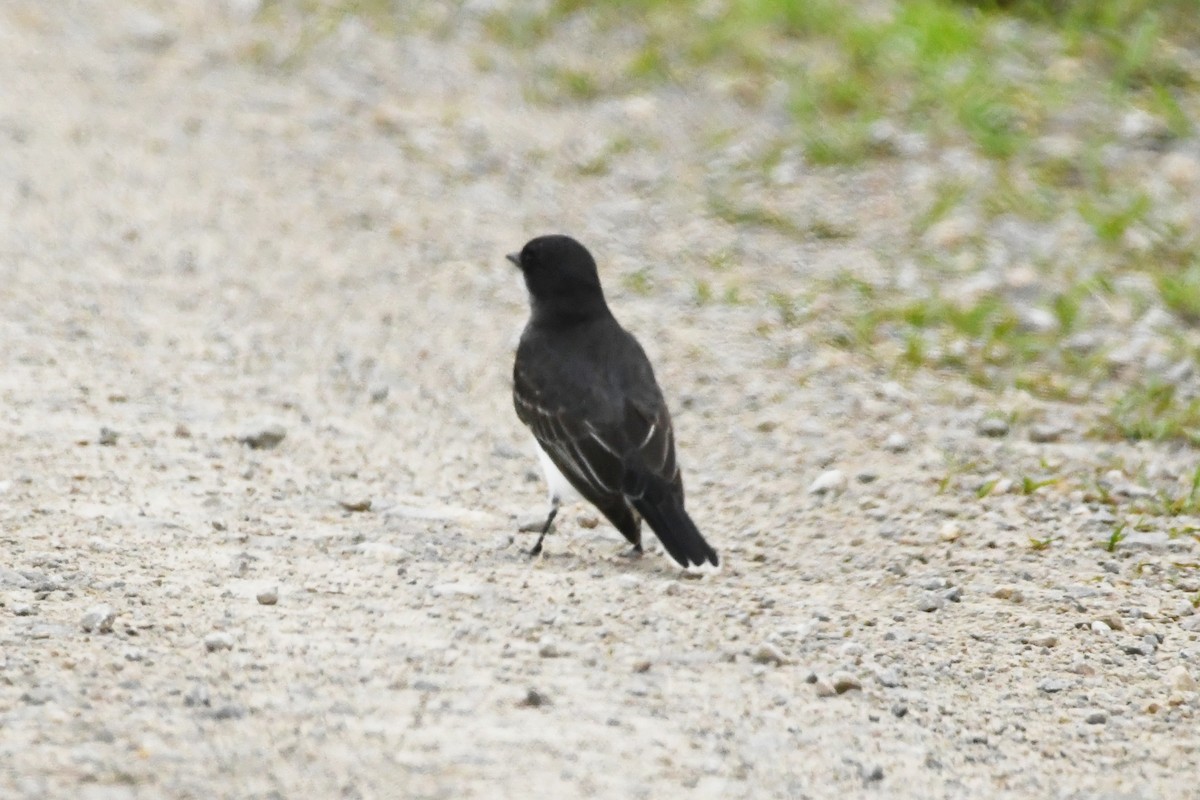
585	388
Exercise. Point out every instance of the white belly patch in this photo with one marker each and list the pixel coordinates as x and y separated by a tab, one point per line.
559	488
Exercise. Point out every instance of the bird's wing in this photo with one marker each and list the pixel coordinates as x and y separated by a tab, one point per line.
587	461
599	434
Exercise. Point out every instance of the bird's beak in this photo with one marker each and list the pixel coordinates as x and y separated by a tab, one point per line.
514	258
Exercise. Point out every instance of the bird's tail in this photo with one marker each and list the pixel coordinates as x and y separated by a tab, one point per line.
662	508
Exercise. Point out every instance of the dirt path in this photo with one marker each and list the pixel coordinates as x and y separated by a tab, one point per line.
195	247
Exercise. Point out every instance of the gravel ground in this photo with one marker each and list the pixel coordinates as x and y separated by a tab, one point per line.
204	249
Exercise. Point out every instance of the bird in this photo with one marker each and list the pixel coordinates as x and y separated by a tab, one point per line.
585	388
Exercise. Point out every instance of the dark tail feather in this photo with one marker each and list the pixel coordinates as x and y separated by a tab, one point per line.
663	511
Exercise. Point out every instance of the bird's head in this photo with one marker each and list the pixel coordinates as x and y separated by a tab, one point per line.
561	277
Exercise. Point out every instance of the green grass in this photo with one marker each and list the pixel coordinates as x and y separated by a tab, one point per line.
1180	291
1115	538
959	71
1151	410
1036	89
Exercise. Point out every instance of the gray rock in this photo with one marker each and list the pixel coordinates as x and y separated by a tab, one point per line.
22	610
108	437
99	619
264	437
548	648
10	579
219	640
197	696
1146	647
888	677
268	597
872	774
1191	624
228	711
1146	540
1053	685
1043	433
1096	717
993	427
929	602
896	443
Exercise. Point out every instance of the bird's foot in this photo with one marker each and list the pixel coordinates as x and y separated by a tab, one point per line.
633	552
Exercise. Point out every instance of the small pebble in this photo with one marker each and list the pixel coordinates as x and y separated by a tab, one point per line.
831	481
108	437
356	505
533	699
845	682
1179	679
1096	718
896	443
549	649
888	677
197	696
1044	640
1043	433
218	641
899	711
1181	170
264	438
993	427
1053	685
825	688
929	602
99	619
268	597
768	653
228	711
23	610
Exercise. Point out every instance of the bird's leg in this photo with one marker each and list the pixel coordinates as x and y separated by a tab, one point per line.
633	552
537	548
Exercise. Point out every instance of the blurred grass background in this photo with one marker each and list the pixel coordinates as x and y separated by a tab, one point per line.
1083	113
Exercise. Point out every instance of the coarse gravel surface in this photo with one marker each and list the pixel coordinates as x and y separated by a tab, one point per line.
261	481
